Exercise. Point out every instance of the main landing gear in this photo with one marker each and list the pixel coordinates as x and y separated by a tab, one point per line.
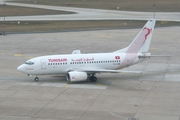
36	79
93	78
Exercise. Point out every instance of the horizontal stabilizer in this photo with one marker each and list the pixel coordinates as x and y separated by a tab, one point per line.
148	56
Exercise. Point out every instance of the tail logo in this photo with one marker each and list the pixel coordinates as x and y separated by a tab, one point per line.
148	32
140	40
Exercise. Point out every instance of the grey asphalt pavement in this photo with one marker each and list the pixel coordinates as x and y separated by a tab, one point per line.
90	14
154	95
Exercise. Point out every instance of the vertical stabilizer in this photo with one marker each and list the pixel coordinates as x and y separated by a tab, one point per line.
142	41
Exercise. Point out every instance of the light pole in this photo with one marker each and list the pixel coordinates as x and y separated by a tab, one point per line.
4	8
154	7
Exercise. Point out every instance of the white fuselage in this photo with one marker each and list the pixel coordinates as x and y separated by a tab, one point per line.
61	64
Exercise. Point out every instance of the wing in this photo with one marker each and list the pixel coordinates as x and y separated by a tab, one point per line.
148	55
107	71
112	71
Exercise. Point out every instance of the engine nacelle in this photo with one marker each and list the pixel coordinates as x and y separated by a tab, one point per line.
76	76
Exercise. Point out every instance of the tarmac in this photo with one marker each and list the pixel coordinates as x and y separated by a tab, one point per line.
154	95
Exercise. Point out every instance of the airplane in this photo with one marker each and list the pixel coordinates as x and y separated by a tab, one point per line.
80	67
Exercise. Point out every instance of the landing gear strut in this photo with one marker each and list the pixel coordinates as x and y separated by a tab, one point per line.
93	78
36	79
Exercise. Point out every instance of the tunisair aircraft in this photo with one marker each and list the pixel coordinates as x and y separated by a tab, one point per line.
80	67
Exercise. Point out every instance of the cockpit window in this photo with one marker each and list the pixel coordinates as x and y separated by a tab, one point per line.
29	63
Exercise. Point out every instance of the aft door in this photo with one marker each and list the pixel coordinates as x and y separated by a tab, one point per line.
43	64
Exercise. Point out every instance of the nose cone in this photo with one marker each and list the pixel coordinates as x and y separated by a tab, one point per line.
21	68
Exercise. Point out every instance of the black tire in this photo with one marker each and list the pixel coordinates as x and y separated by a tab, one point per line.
36	79
93	79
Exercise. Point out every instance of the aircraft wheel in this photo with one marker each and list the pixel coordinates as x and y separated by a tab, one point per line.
36	79
93	79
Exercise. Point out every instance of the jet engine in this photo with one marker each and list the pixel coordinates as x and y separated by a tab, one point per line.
76	76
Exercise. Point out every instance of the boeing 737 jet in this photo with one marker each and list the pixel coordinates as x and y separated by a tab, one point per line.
80	67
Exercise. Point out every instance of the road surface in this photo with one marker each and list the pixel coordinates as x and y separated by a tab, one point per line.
89	14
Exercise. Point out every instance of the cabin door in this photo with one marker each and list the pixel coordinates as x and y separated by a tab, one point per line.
43	64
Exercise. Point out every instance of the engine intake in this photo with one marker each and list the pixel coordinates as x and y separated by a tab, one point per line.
76	76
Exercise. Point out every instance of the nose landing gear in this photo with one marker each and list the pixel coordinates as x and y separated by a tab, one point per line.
36	79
